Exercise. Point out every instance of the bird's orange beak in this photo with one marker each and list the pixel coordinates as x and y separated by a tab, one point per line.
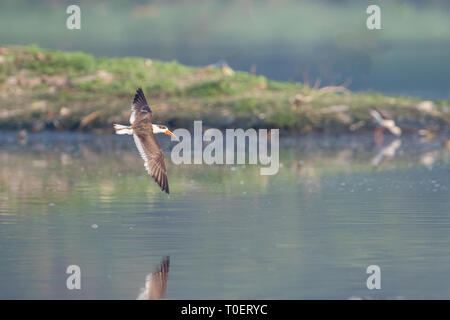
170	133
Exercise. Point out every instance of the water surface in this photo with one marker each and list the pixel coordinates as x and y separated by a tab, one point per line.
337	205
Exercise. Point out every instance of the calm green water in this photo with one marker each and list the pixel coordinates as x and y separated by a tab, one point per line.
308	232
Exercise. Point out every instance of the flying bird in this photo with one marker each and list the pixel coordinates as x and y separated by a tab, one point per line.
383	120
143	131
156	282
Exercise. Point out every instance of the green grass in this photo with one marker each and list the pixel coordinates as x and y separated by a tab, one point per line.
48	89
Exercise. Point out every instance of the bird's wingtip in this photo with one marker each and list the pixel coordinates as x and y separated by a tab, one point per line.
139	98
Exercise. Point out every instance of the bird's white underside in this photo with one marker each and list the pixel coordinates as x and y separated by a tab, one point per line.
141	151
133	115
121	129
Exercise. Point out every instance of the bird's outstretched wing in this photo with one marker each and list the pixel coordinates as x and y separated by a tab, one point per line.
139	108
384	114
377	116
153	157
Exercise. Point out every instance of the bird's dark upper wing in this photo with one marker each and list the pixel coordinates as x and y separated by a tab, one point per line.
153	157
139	108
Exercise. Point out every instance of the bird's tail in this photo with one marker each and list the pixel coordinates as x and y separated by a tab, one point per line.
120	129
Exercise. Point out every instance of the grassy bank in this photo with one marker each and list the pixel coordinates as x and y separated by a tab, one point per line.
45	89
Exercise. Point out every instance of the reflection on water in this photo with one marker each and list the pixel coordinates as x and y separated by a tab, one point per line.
387	152
156	282
336	206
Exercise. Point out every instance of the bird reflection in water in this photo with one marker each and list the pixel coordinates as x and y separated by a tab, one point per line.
156	282
387	153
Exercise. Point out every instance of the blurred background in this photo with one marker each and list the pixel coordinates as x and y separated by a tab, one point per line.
324	40
341	201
